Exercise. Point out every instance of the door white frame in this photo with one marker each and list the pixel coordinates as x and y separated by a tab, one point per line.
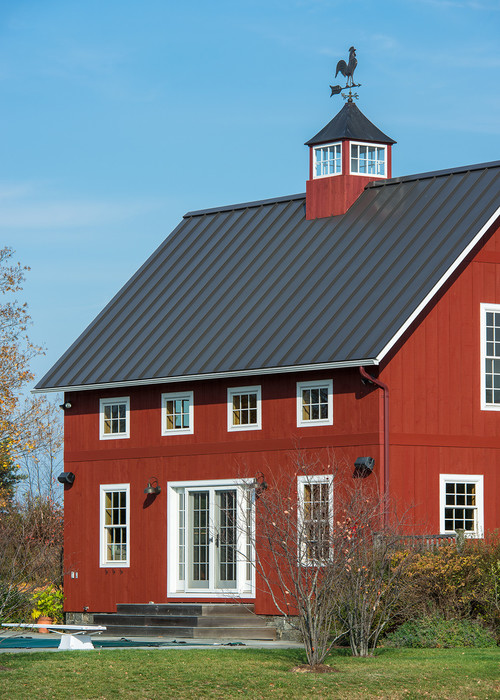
245	574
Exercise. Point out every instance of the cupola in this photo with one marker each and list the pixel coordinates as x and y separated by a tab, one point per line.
344	156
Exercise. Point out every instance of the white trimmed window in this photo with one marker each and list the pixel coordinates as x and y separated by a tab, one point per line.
461	504
244	408
115	524
368	159
315	403
315	497
490	357
177	413
114	418
327	160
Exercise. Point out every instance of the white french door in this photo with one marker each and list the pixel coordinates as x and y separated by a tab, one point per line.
210	538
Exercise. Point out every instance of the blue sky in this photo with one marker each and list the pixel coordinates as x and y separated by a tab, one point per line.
118	116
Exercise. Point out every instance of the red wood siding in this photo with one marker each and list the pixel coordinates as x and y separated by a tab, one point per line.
436	422
210	453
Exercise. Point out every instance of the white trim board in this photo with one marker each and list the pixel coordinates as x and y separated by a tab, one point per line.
437	286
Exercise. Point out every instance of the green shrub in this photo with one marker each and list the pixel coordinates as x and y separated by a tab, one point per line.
434	631
49	603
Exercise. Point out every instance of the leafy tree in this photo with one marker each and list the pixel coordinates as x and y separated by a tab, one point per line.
24	429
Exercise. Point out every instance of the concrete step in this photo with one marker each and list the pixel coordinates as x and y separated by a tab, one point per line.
184	609
178	620
233	633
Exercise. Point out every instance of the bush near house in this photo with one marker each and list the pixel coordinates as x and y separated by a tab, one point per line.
448	587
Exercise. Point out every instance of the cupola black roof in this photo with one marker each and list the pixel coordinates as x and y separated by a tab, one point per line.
350	123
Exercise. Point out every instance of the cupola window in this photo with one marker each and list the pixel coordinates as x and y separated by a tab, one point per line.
327	160
368	159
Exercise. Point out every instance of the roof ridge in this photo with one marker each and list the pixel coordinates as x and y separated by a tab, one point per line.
434	173
245	205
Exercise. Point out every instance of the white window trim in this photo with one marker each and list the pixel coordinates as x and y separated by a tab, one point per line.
244	390
103	562
477	479
326	145
177	395
243	590
114	436
302	481
301	423
495	308
366	143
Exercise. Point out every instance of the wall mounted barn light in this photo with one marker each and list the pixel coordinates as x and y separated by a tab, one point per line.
152	489
65	405
363	466
66	478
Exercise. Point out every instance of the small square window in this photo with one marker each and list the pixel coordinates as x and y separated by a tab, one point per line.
368	159
177	413
327	160
114	418
315	403
244	408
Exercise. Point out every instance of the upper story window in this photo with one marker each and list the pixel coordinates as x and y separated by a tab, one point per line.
368	159
244	408
114	418
490	357
115	521
177	413
315	403
327	160
315	497
461	504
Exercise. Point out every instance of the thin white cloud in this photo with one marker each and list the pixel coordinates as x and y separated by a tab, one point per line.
19	211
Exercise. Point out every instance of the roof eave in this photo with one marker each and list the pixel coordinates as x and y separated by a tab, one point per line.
232	374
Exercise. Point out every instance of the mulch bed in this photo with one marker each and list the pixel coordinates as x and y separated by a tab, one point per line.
320	668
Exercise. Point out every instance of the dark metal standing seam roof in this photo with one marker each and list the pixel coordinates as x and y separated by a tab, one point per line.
258	287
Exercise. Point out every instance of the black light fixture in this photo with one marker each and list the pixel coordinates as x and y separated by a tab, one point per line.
363	466
261	485
65	405
152	489
66	478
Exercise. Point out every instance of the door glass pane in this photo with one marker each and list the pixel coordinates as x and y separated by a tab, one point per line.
199	503
226	538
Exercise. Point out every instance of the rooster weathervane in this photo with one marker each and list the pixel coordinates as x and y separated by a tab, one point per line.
347	70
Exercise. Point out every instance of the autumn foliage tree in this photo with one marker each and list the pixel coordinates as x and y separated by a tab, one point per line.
22	429
30	435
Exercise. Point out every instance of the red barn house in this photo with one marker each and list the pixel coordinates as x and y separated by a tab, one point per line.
362	318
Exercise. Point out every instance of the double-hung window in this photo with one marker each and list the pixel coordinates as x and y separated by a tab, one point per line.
177	413
315	497
461	504
115	524
490	357
315	403
114	418
244	408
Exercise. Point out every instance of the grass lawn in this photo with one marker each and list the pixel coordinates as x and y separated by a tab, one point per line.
253	673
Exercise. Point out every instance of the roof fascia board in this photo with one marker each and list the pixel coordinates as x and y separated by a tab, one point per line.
211	375
438	285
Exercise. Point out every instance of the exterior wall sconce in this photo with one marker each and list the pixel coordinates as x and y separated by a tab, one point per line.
152	489
260	484
66	478
363	466
65	405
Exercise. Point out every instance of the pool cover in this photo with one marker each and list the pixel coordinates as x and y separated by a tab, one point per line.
53	643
